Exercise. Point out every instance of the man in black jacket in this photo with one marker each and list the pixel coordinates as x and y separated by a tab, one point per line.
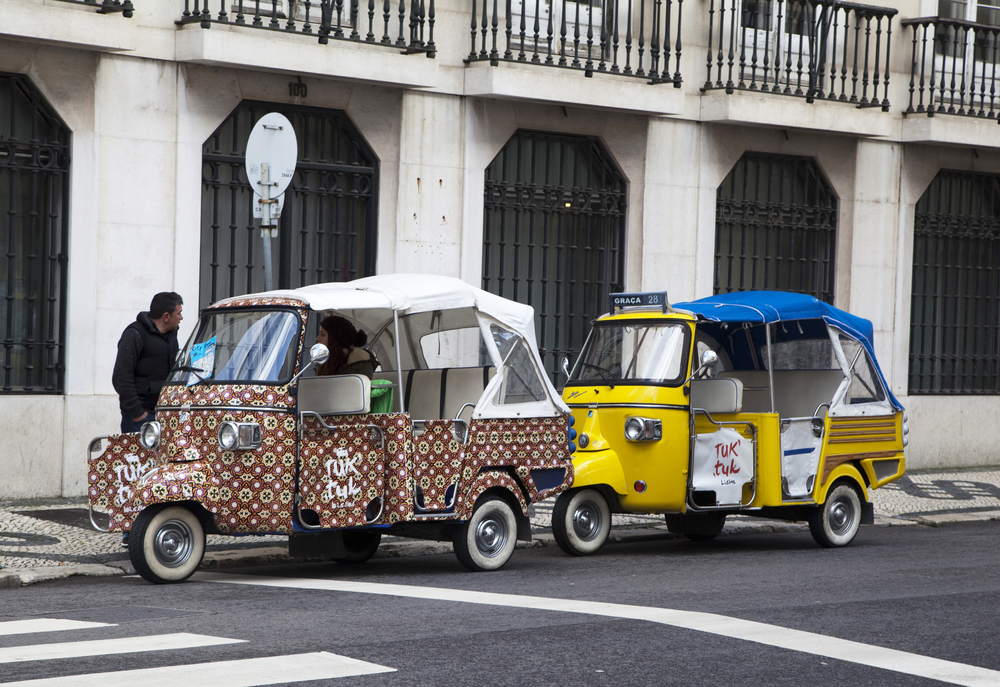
146	353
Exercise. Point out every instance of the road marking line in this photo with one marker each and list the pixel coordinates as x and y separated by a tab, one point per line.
762	633
22	627
102	647
240	673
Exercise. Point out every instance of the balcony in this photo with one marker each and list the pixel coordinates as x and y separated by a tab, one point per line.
633	38
407	26
953	68
816	50
107	6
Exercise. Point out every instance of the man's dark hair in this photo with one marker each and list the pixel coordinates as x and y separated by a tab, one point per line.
165	302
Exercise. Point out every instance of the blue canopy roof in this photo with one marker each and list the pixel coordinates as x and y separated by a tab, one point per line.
760	307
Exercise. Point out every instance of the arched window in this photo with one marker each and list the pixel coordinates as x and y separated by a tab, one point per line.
328	225
775	227
34	202
554	234
955	307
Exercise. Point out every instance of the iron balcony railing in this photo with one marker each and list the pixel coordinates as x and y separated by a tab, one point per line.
816	49
407	25
639	38
107	6
953	69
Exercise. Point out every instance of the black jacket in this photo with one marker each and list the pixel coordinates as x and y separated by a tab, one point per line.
145	357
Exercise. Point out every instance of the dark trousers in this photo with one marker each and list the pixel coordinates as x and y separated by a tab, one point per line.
129	426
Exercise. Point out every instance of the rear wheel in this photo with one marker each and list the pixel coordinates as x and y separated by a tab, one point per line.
360	545
836	522
166	544
486	541
581	521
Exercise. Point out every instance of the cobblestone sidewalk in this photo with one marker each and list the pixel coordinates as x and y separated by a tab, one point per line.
52	538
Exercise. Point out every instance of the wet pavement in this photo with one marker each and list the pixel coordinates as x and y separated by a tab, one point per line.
53	538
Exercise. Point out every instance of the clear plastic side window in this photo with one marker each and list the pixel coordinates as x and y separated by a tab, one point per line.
521	383
865	386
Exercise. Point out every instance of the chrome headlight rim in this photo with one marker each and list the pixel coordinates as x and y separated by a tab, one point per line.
234	436
229	436
149	435
639	429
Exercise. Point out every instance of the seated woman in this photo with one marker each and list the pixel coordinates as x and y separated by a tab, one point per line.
346	353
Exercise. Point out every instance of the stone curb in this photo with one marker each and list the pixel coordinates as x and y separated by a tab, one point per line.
278	555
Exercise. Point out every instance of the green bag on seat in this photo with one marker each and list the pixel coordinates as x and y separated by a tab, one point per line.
381	396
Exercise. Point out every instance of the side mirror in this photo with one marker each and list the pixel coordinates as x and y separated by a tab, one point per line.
319	353
709	359
317	356
564	366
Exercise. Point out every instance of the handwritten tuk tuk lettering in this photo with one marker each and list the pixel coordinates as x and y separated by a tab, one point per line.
128	474
343	466
723	451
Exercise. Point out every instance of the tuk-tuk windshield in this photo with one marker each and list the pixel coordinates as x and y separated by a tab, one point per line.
633	353
240	346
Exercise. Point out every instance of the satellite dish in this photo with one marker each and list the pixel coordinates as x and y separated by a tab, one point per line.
272	142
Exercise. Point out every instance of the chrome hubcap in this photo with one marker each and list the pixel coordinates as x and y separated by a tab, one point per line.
491	537
587	521
173	543
841	517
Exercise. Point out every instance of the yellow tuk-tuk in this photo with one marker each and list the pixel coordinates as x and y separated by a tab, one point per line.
759	403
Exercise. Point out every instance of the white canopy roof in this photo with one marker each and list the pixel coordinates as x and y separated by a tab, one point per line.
408	294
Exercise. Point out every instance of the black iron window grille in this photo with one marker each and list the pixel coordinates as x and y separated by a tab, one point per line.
775	227
640	38
814	49
953	67
107	6
34	202
406	25
554	234
955	307
327	229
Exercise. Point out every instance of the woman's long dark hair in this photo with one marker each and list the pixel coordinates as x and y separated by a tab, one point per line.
340	334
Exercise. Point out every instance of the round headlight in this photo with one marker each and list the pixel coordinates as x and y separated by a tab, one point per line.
584	440
229	435
149	434
633	429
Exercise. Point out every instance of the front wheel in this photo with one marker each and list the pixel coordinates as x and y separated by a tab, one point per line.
359	546
166	544
836	522
486	541
581	521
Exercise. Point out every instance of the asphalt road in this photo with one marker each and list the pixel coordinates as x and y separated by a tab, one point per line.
900	595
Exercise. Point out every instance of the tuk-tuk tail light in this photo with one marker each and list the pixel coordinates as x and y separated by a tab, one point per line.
239	435
643	429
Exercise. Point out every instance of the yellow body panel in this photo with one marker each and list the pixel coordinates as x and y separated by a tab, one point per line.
873	442
847	470
662	465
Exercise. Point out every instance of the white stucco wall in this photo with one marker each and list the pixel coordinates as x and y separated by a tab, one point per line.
141	97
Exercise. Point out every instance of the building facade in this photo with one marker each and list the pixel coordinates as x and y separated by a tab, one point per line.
547	150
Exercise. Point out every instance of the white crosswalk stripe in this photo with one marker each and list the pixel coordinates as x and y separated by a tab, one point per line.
249	672
104	647
240	673
22	627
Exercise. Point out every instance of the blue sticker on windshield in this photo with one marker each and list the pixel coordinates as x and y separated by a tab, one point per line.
203	359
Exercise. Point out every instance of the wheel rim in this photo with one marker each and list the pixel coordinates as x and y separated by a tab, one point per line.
491	536
173	543
841	516
587	521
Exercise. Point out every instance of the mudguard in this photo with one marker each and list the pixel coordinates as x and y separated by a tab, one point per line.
599	467
482	482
